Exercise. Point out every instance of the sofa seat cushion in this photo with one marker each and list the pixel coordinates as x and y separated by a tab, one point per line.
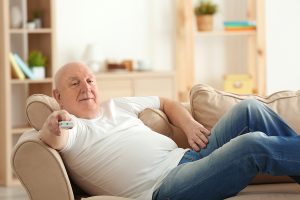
209	104
290	191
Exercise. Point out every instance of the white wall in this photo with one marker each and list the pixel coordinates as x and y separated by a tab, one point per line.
283	45
146	29
131	29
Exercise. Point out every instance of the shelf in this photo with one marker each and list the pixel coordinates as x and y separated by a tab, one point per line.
28	81
226	33
31	31
15	91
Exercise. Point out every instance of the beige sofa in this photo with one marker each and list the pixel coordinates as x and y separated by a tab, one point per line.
42	172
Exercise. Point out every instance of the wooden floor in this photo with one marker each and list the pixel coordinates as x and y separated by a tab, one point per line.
13	193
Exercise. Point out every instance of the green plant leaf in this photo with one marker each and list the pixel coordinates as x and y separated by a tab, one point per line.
36	58
206	7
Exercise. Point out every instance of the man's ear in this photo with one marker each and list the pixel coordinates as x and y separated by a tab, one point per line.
56	95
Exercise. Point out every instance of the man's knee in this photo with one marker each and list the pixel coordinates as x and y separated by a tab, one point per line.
250	142
250	104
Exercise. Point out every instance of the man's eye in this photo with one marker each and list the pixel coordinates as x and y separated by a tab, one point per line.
75	83
90	81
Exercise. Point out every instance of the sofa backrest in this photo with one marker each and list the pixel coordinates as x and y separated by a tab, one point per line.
209	104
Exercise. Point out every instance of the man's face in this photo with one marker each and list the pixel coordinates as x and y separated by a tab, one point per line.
77	91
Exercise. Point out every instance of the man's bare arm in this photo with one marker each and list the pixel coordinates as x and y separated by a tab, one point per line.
196	133
51	134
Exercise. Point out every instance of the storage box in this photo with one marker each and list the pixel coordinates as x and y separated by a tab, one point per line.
238	83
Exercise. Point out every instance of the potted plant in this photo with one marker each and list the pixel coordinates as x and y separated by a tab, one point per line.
37	62
204	12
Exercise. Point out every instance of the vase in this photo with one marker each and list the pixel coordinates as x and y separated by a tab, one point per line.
16	17
38	22
205	22
38	72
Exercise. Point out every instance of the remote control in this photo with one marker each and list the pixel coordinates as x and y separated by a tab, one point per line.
66	124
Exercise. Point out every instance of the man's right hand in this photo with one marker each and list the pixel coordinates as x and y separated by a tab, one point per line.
51	134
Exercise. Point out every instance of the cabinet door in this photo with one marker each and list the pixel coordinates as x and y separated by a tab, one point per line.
160	86
110	88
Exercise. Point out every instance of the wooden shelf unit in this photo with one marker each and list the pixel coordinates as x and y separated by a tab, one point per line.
14	91
185	45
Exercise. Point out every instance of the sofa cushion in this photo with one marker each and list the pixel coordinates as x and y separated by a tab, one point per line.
209	104
284	191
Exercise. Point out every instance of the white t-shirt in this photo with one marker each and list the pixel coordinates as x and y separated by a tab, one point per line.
116	154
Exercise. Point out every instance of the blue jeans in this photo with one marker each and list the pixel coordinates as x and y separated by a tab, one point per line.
249	139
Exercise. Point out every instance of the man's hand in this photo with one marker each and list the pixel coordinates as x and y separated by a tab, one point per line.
197	135
52	123
51	134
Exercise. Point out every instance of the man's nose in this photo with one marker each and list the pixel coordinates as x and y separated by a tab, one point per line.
86	86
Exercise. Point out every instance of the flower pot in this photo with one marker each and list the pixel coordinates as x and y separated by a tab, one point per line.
205	22
38	22
38	72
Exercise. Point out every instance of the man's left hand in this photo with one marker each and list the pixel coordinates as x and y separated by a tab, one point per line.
197	135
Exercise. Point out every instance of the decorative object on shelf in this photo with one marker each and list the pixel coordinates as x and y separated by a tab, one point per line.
15	69
128	64
116	65
24	67
37	62
31	25
93	57
16	17
239	25
37	18
238	83
143	65
204	12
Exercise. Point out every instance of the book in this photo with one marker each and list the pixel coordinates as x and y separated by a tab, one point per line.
240	28
27	71
16	71
239	24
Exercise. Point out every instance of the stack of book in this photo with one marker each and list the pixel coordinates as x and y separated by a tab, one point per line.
19	68
239	25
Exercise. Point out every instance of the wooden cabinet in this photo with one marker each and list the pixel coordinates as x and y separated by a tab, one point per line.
21	40
247	57
136	84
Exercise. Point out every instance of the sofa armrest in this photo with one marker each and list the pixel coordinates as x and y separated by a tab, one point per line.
40	169
159	122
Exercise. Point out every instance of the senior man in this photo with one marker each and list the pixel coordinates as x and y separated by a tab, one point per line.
110	151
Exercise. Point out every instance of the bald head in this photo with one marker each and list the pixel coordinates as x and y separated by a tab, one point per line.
75	90
65	69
